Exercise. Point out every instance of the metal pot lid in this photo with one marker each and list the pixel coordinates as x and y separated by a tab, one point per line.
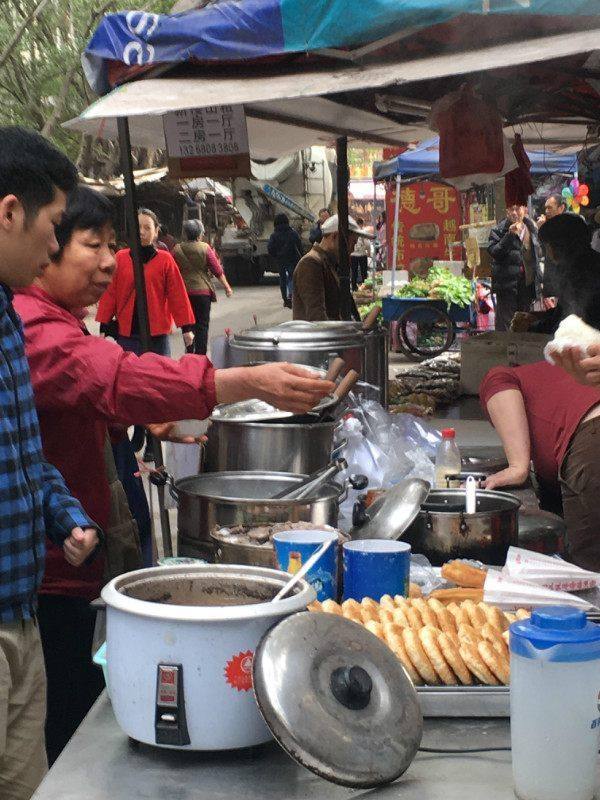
483	459
337	700
305	333
260	411
392	513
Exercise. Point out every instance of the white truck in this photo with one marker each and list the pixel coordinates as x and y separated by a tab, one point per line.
299	185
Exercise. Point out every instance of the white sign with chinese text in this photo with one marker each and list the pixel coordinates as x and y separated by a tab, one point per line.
211	131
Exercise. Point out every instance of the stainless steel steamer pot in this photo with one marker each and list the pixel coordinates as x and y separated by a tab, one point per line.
278	447
180	644
442	529
223	499
313	343
317	344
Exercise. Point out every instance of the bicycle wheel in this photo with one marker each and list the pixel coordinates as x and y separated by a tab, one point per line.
425	332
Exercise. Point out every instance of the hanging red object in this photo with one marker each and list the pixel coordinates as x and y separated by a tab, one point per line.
518	185
471	137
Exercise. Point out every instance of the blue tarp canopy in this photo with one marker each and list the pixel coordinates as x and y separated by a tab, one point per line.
242	30
425	159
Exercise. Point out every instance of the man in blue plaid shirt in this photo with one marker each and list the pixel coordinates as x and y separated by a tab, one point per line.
34	501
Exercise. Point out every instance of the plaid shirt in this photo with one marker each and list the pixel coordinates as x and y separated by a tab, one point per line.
34	500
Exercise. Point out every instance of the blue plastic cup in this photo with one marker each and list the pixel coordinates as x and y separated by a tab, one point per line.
294	548
374	567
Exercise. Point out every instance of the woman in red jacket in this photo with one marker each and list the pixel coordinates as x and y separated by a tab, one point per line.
165	289
82	384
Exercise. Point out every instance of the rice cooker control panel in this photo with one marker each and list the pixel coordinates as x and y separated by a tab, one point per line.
170	721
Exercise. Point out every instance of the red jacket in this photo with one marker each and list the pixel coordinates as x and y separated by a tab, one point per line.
83	383
165	289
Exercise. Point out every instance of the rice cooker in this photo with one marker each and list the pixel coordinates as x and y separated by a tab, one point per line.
199	658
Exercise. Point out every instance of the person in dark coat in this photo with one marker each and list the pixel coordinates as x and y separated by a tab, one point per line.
285	246
316	234
515	252
554	205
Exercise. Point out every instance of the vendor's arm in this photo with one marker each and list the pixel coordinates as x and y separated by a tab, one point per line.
503	401
96	374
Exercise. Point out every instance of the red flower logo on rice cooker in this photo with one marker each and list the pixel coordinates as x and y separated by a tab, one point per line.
238	671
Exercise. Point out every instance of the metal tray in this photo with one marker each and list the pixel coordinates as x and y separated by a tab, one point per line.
464	701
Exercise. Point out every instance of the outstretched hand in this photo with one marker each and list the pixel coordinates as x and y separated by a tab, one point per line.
285	386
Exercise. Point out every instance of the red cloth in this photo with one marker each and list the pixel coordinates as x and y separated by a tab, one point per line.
471	137
84	383
555	404
518	185
167	295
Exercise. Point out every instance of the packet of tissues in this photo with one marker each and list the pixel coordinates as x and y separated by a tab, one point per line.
549	572
506	592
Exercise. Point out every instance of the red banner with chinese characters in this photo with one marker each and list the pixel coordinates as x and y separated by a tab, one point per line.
429	221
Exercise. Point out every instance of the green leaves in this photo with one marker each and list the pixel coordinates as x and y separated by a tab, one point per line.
440	284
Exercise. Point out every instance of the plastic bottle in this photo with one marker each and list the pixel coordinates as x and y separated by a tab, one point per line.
447	460
555	704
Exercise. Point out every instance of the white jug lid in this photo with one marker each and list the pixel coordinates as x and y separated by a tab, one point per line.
562	627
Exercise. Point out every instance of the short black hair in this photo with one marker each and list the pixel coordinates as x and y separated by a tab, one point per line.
32	168
558	198
566	233
86	210
281	219
324	209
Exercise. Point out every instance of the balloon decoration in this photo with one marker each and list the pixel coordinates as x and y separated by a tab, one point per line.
576	195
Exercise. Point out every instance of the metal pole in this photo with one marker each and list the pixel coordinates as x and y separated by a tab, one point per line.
343	178
141	301
374	249
396	225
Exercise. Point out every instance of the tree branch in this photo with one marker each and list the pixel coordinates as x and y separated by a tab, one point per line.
20	31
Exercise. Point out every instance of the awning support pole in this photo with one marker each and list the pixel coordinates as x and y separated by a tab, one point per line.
396	226
343	178
141	300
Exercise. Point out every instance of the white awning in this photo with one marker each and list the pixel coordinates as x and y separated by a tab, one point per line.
285	110
274	129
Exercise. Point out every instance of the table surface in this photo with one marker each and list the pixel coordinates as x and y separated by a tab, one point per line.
100	764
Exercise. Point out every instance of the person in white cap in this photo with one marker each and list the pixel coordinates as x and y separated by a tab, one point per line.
317	292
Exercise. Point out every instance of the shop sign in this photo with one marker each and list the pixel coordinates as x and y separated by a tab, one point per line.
429	221
209	142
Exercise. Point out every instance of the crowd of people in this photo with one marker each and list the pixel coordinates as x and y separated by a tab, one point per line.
525	276
65	395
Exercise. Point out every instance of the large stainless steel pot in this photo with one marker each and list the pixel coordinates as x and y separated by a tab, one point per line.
317	344
312	343
377	360
224	499
276	447
180	644
443	530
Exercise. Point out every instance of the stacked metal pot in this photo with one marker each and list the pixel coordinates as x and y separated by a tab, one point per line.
362	345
